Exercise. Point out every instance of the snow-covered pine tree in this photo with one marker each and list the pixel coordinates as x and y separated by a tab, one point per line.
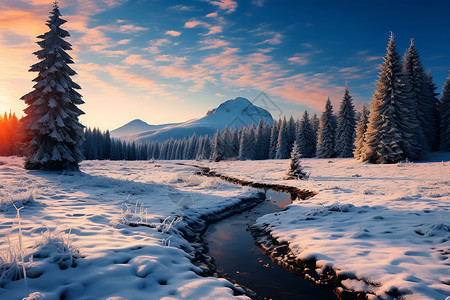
262	136
291	133
234	143
435	139
283	139
217	149
207	148
361	128
420	104
345	131
54	135
315	123
247	147
386	142
274	131
444	111
295	170
327	132
305	137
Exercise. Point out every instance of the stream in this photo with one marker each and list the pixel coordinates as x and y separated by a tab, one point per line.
237	256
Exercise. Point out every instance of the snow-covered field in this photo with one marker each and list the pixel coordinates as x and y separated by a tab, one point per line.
385	224
388	225
76	227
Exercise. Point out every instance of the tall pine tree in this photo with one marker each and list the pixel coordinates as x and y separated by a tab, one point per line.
387	142
444	110
54	135
305	141
420	103
327	132
361	128
345	131
283	141
434	140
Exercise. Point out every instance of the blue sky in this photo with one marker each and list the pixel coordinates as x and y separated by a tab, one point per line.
169	61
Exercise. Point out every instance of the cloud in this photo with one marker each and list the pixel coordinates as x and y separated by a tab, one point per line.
124	41
299	60
259	3
212	15
212	29
155	45
228	5
192	24
275	40
213	44
173	33
182	7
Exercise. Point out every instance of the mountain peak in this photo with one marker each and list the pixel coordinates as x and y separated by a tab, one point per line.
234	113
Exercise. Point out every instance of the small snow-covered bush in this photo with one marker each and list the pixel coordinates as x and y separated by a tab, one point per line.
58	249
434	229
132	213
13	263
346	207
326	210
20	197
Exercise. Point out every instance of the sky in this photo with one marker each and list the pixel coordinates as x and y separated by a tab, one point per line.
167	61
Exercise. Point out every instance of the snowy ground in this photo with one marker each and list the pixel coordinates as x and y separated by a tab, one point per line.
76	227
386	224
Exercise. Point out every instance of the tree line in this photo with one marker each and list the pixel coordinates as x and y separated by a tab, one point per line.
10	135
406	121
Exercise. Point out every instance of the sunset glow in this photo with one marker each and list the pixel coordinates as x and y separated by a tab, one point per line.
168	61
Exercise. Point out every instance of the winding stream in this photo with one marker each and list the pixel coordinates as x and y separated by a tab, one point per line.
237	256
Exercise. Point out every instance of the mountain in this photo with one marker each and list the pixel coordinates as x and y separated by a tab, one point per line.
238	112
136	126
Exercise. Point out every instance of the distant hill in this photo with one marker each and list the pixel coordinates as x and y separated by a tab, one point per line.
136	126
238	112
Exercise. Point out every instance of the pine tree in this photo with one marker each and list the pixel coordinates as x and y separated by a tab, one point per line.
305	137
387	142
262	136
274	131
327	132
434	138
420	104
361	128
283	141
291	128
444	110
217	149
345	131
295	170
247	147
54	135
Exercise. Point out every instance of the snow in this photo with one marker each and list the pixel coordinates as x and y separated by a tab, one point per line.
382	224
76	227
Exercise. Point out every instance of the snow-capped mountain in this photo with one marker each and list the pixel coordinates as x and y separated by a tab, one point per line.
238	112
136	126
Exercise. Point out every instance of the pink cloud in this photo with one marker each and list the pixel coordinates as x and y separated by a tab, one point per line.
214	44
299	60
212	29
212	15
192	24
228	5
173	33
